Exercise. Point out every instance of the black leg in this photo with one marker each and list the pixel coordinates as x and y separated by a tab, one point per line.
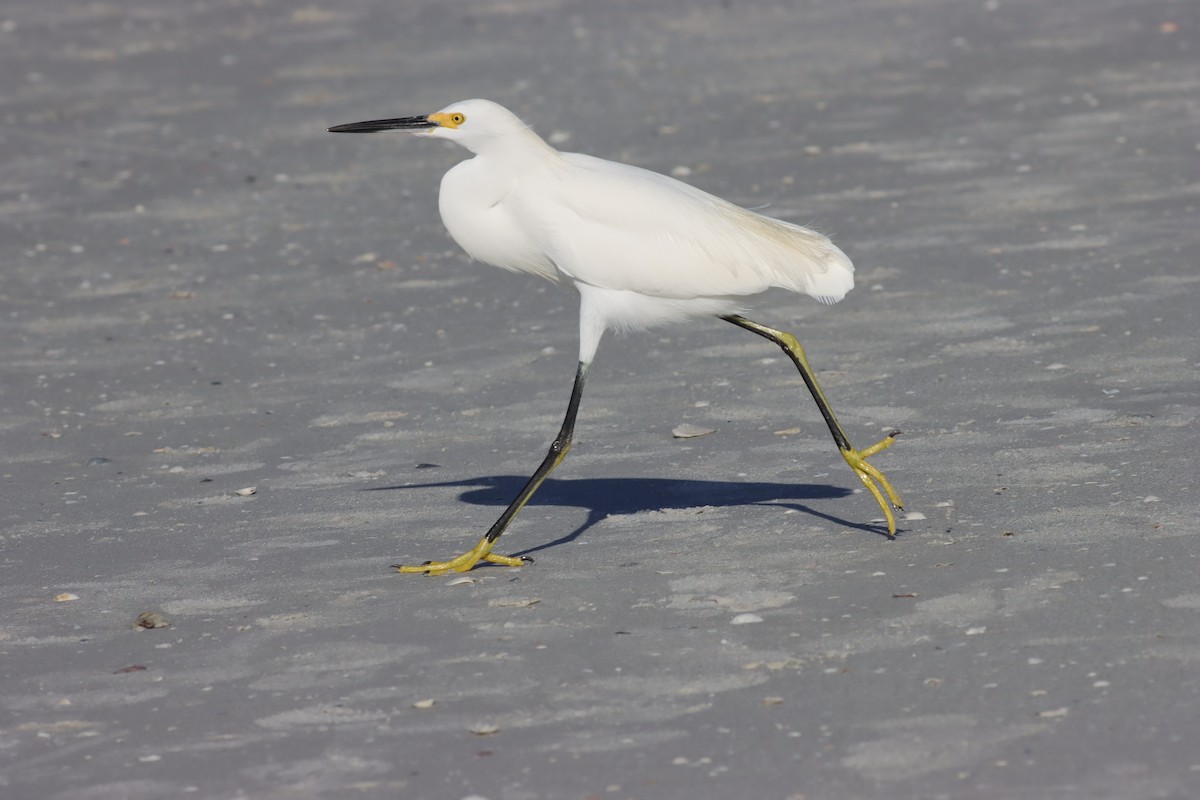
483	550
558	451
871	477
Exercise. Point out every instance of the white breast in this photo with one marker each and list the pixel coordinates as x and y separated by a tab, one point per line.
480	206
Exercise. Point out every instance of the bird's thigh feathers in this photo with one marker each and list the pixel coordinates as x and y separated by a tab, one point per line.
604	309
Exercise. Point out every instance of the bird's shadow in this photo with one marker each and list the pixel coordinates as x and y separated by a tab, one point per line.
603	497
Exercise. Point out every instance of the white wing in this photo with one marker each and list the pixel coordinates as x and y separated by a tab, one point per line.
621	227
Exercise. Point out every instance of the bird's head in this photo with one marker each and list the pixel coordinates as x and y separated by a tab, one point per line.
474	124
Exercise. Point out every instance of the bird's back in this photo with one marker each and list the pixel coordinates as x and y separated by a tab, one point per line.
617	226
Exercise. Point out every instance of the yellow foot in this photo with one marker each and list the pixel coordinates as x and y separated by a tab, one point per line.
857	459
468	560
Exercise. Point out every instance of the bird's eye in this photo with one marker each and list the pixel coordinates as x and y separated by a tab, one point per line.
457	119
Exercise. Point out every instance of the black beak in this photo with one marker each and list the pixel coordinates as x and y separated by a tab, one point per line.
376	125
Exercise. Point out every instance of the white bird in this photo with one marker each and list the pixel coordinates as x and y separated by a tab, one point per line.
640	248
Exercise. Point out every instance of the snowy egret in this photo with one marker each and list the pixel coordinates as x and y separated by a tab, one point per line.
640	248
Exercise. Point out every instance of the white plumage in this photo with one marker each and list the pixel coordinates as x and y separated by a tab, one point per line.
521	205
642	249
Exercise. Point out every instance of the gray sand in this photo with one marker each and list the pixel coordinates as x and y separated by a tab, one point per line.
202	291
